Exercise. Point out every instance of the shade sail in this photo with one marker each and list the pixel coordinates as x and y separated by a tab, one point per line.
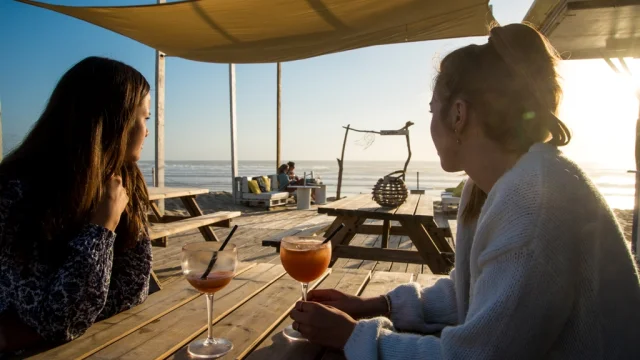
590	29
261	31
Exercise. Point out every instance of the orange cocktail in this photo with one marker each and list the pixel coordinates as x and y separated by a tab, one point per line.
208	268
305	259
214	281
308	263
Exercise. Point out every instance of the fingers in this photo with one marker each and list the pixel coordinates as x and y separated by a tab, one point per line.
116	190
323	295
299	315
114	183
310	313
305	329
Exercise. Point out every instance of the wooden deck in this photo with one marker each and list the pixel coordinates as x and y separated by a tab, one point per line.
253	228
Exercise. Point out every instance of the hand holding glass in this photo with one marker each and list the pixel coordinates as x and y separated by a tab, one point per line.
305	259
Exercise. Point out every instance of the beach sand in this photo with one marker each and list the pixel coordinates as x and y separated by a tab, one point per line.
223	201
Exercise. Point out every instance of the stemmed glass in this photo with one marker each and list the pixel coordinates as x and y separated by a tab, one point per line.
305	259
196	258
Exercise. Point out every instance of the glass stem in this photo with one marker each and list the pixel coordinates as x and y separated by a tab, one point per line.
305	288
209	340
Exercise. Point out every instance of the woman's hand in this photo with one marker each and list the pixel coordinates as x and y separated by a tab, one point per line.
354	306
113	202
322	325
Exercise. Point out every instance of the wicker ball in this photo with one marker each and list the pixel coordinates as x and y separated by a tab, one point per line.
390	191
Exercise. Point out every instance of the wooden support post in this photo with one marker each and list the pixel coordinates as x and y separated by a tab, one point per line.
1	153
635	227
386	230
279	118
341	163
159	112
232	116
635	234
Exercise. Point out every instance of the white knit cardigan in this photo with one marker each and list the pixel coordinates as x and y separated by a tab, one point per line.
544	273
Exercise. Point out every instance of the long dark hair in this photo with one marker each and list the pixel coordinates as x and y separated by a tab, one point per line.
79	142
512	84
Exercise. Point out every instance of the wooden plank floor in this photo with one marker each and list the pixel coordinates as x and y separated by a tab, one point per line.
253	228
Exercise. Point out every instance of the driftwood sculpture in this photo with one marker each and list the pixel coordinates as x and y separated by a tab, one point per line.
390	178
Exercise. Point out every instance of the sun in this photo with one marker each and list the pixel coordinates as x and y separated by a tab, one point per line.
601	108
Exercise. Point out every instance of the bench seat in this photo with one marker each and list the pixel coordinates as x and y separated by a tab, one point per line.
161	230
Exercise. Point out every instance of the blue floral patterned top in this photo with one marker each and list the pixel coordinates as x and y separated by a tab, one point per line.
92	283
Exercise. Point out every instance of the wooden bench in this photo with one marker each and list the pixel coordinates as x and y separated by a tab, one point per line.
306	231
220	219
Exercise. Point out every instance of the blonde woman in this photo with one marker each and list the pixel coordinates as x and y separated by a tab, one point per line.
542	269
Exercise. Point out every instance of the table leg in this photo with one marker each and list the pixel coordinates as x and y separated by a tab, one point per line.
304	199
162	242
438	236
321	195
426	247
154	283
194	210
344	236
386	229
156	212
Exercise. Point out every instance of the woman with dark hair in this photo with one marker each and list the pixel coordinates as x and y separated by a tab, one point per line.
292	171
65	192
284	181
542	269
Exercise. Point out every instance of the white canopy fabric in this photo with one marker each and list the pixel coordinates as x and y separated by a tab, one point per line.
260	31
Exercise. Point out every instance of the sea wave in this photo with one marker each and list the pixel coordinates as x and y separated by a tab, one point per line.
615	185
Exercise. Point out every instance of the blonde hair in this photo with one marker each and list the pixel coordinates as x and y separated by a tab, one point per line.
511	84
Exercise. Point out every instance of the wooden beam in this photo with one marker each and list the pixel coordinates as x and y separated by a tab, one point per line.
368	214
428	247
1	154
194	210
386	230
635	231
232	116
389	255
159	131
378	229
635	234
341	162
279	118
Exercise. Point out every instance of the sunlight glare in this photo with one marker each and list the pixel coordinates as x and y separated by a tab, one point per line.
601	108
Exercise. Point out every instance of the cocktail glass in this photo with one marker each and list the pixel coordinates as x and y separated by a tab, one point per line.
195	260
305	259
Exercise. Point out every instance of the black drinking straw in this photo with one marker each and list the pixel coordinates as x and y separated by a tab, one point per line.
215	254
333	234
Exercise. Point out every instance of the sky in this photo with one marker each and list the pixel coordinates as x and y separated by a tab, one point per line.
374	88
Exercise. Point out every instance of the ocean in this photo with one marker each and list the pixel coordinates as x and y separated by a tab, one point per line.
616	185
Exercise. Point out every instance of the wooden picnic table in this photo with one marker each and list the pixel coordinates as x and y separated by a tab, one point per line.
251	312
414	219
188	198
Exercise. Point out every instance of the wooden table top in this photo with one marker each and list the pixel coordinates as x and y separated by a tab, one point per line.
157	193
417	207
251	312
